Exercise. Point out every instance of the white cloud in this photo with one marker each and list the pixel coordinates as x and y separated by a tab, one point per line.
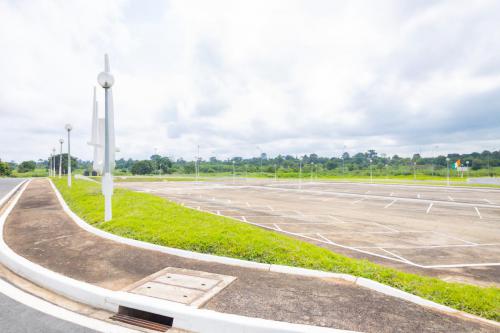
290	76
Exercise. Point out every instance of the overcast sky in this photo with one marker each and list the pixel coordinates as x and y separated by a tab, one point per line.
290	77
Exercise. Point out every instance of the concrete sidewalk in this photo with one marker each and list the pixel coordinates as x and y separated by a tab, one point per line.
39	230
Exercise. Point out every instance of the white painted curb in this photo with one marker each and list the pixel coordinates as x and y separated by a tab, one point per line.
185	317
363	282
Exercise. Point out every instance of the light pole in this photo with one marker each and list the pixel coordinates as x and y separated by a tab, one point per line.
371	171
53	162
448	171
467	164
106	80
415	171
50	165
312	169
68	128
300	174
61	141
234	173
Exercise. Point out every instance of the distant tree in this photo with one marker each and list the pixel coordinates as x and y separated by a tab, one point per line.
4	169
142	167
26	166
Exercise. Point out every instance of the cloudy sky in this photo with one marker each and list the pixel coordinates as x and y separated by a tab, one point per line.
289	77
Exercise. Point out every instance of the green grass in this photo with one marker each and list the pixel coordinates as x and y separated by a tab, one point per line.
34	173
153	219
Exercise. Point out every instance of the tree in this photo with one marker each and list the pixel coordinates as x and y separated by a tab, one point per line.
142	167
26	166
4	169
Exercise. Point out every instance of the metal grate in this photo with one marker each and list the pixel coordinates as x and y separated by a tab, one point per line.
143	319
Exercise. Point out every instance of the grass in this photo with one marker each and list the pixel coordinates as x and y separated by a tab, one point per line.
156	220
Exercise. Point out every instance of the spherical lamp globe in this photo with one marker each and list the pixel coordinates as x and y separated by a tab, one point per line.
68	127
105	79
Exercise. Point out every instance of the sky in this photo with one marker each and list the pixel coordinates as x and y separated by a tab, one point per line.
239	78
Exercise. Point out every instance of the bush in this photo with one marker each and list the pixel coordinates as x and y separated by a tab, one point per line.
142	167
26	166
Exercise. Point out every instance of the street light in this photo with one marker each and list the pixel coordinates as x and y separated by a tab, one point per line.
371	171
467	164
312	169
61	141
106	80
68	128
50	165
53	162
448	171
300	174
234	173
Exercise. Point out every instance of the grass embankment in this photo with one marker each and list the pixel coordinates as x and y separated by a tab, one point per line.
156	220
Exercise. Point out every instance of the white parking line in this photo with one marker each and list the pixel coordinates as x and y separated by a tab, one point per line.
488	201
277	227
394	255
391	194
391	203
418	195
429	209
450	198
359	200
478	213
244	219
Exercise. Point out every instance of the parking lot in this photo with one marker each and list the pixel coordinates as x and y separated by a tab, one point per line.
453	233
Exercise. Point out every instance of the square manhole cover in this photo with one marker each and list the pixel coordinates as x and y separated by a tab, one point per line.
181	285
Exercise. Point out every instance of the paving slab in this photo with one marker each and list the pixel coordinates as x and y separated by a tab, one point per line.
40	231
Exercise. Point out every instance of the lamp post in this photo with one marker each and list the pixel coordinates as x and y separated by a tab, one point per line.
106	80
371	171
312	169
68	128
300	174
61	141
50	165
467	164
234	173
53	162
448	171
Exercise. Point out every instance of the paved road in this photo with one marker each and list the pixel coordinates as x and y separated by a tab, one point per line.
16	317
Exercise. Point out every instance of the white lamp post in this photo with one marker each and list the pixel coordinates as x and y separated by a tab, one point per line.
371	171
234	173
61	141
50	165
300	174
68	128
448	171
53	162
106	81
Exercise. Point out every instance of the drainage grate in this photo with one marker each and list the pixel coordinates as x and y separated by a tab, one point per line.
143	319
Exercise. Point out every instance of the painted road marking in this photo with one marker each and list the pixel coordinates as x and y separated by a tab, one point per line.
488	201
418	195
478	213
277	227
359	200
450	198
429	209
391	203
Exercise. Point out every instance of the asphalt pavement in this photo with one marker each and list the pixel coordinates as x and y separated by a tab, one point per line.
19	318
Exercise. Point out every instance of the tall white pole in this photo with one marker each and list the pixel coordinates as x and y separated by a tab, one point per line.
50	165
300	174
69	128
234	174
61	141
371	172
448	171
106	81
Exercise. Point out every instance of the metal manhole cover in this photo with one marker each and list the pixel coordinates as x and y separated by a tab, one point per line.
181	285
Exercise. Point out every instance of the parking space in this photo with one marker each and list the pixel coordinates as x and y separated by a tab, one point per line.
418	226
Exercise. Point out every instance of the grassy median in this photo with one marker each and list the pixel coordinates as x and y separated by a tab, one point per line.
156	220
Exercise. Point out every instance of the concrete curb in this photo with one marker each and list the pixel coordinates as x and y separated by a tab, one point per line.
185	317
363	282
